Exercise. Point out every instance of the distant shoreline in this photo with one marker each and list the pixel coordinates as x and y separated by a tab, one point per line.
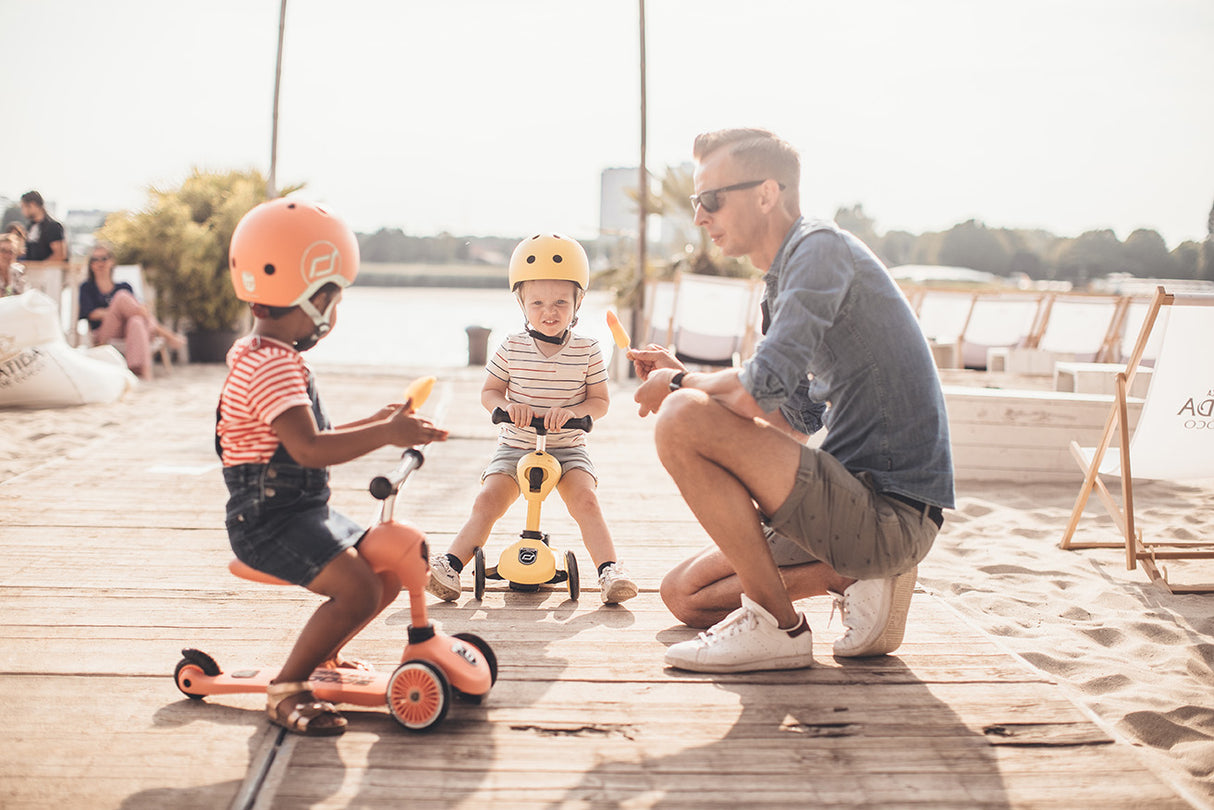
416	274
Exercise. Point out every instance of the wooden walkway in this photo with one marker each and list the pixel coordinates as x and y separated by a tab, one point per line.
114	559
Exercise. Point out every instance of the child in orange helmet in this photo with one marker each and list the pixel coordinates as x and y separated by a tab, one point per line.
546	370
290	260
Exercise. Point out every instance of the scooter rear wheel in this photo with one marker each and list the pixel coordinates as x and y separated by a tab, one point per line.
479	579
419	695
571	570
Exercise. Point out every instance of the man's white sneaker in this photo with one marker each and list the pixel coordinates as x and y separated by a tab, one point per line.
444	580
874	613
747	640
615	585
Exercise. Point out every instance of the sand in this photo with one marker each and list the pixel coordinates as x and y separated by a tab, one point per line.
1139	659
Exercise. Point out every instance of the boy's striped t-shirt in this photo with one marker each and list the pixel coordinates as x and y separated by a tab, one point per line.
546	382
265	379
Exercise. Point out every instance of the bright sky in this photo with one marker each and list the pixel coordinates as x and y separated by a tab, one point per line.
495	117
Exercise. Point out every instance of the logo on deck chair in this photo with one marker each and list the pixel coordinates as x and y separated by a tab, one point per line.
320	261
1199	412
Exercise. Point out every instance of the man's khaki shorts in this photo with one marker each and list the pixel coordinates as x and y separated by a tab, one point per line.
837	518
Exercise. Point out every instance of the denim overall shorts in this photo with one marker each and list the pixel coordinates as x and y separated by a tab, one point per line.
278	514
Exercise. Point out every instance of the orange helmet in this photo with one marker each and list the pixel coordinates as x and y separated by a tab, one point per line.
284	250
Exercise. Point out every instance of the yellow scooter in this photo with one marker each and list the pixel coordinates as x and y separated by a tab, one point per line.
531	561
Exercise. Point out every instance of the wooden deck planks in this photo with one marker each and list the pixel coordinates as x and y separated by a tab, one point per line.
115	560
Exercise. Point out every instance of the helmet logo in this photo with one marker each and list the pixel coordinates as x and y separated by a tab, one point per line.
321	260
249	281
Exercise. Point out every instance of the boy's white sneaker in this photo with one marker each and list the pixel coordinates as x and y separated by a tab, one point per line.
444	580
747	640
874	613
615	585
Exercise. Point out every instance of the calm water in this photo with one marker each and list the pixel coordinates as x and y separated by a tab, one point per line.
425	326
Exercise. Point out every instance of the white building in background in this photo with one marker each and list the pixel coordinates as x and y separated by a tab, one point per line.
80	225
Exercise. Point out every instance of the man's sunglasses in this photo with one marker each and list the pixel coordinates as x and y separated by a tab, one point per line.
710	200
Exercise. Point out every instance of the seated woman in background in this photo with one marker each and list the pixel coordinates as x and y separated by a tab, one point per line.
113	312
12	275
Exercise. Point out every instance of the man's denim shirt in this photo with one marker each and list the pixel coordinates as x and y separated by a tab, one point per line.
842	332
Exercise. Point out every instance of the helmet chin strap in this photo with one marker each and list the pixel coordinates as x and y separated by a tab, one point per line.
320	321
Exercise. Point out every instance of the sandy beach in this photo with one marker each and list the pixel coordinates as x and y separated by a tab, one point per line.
1136	658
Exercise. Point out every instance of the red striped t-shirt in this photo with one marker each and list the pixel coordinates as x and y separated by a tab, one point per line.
265	379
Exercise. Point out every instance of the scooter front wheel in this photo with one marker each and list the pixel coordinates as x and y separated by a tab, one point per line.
419	695
479	579
194	667
571	570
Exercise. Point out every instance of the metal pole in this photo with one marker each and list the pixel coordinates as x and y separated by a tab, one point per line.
643	198
271	181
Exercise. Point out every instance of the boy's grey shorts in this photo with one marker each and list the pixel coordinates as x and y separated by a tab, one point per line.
505	460
837	517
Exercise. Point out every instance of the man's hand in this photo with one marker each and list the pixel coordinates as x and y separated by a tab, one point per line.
651	358
653	391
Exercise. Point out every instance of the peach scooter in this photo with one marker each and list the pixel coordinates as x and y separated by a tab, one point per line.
434	668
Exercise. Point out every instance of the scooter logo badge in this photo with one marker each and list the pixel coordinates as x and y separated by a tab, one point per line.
464	652
527	556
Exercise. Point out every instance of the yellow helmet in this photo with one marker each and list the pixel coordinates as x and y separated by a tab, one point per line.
553	257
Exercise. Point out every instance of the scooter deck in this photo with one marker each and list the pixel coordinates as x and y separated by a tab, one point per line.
357	687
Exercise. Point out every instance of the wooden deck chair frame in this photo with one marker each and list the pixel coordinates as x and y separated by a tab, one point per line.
1137	550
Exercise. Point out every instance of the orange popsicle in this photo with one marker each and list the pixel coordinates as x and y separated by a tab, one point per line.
617	330
419	391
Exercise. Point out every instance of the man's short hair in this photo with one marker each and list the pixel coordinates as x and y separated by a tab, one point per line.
761	153
33	197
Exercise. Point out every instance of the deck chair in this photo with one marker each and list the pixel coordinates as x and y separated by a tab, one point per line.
713	319
1081	327
998	320
133	274
1173	439
657	314
942	317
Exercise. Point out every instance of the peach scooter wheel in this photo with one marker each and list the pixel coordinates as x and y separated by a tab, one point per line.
419	695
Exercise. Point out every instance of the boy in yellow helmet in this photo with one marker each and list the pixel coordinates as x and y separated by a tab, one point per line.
548	371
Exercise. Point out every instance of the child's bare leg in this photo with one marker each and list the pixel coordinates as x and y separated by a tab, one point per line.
495	497
355	597
390	588
577	491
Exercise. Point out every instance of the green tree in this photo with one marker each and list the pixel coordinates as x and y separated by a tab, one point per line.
1206	267
1090	255
181	238
860	225
972	244
1186	260
1146	255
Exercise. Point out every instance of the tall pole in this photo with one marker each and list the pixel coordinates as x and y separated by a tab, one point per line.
271	181
642	196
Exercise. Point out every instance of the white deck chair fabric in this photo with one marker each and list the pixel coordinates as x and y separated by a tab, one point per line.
657	313
943	313
999	321
1174	438
713	318
1079	326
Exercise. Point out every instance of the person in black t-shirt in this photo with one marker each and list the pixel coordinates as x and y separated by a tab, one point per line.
44	237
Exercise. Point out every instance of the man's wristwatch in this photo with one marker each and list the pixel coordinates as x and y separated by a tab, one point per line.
676	382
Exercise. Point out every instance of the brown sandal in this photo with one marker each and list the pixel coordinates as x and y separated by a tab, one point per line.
308	716
347	663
